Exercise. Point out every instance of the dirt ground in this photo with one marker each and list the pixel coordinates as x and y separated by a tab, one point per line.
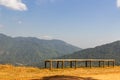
108	76
8	72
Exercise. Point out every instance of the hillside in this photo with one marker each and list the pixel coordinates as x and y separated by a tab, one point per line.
111	50
30	50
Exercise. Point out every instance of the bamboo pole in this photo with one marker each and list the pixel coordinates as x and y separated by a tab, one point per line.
75	64
103	63
90	64
45	64
99	63
108	64
50	65
62	64
113	63
57	64
70	64
86	65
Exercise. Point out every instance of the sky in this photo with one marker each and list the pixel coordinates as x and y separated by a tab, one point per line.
83	23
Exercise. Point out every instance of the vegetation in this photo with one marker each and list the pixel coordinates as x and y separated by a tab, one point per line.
107	51
9	72
31	51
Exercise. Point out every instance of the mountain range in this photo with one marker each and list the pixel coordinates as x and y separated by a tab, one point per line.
106	51
30	50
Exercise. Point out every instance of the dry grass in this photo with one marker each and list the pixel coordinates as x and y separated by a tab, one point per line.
9	72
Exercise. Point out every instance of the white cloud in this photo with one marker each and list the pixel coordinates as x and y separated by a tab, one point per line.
14	4
118	3
46	37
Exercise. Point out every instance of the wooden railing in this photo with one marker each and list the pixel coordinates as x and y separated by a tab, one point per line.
75	61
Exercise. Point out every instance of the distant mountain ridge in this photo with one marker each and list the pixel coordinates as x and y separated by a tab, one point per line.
107	51
31	50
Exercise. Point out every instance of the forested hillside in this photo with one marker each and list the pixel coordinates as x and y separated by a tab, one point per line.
107	51
30	50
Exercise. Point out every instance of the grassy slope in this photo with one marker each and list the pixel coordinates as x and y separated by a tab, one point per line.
9	72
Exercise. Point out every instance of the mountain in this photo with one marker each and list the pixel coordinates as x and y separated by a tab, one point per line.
107	51
30	50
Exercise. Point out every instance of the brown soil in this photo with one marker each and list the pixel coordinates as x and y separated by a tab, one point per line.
65	78
9	72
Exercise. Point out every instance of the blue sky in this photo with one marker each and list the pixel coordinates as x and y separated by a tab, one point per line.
84	23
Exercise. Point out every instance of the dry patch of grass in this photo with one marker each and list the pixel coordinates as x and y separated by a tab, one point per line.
9	72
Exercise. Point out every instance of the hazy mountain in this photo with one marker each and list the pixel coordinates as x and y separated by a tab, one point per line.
111	50
30	50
